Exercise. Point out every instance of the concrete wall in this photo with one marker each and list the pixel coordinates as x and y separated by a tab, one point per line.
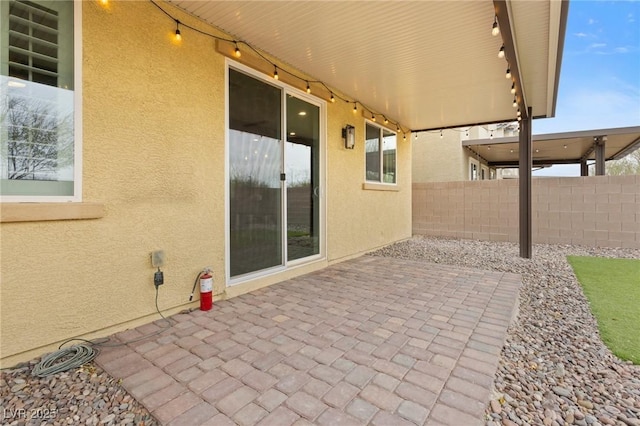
591	211
154	157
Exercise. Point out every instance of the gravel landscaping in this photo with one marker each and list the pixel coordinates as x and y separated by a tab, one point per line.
554	369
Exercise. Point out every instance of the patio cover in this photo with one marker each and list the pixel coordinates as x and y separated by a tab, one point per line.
559	148
424	64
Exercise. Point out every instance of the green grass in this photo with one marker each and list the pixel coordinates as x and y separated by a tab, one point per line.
612	287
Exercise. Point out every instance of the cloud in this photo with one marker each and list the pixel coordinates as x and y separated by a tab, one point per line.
592	21
581	35
582	108
597	45
621	50
631	18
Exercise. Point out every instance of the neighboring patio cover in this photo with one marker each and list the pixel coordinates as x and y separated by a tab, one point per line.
560	148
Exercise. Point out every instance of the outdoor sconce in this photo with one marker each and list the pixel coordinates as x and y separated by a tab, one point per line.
349	136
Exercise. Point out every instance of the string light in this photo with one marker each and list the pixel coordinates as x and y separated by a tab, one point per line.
501	52
404	136
178	35
488	147
508	73
515	103
513	88
386	121
495	30
491	135
441	135
237	53
511	151
564	146
518	113
416	135
373	117
398	129
466	133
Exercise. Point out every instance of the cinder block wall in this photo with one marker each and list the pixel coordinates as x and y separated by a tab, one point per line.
598	211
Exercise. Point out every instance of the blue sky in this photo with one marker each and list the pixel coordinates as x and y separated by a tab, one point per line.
600	74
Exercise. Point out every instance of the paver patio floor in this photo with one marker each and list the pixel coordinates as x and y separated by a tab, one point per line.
372	340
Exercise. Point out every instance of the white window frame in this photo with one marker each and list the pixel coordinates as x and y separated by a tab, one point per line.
77	120
381	152
474	162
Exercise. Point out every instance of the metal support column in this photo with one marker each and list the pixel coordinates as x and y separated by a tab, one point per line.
524	175
584	169
600	155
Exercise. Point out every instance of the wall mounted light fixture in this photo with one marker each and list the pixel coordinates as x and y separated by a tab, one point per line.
349	136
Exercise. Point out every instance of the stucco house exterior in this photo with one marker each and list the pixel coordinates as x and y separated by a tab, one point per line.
118	140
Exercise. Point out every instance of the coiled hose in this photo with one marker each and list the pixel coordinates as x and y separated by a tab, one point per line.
64	359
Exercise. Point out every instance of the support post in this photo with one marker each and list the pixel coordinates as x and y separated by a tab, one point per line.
584	169
600	156
524	175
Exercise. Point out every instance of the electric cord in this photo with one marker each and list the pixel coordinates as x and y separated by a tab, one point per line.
79	354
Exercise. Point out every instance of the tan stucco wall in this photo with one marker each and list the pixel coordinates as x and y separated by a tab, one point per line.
592	211
153	154
439	160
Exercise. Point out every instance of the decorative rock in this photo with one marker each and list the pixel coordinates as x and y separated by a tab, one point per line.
585	404
560	391
495	406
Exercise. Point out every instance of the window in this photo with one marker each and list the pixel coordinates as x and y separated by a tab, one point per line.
380	151
39	102
473	169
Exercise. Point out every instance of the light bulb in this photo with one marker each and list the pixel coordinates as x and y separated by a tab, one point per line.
308	88
508	74
515	103
178	35
373	117
404	137
355	107
518	113
237	51
501	52
275	72
333	99
385	120
491	135
441	136
495	30
564	146
489	147
513	88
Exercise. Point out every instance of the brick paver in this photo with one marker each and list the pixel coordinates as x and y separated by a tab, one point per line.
368	341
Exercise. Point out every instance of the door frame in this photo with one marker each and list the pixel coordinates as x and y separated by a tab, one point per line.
322	105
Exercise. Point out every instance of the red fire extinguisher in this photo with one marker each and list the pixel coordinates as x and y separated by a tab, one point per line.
206	290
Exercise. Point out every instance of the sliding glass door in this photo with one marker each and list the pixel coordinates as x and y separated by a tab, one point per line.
274	178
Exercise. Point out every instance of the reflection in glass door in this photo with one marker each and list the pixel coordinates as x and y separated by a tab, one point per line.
302	167
255	189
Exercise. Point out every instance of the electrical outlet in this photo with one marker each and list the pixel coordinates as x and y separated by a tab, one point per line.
157	258
158	278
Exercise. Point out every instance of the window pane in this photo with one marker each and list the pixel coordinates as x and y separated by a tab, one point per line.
302	167
388	156
37	149
372	152
255	206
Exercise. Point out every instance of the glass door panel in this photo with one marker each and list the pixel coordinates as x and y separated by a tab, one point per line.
255	188
302	170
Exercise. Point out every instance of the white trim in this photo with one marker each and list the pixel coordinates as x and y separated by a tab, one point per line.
322	105
77	123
